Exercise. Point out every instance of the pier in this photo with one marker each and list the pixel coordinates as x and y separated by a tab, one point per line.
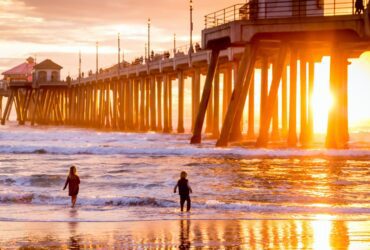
287	36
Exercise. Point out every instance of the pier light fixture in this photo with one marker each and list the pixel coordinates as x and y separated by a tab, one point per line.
97	59
191	50
148	39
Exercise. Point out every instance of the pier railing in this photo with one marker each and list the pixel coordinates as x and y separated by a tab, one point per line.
256	10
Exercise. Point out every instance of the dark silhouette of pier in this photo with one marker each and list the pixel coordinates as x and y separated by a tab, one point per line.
288	35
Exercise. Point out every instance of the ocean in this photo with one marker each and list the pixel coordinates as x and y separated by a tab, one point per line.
131	176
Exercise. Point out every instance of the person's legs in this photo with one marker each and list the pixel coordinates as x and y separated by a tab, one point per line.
188	203
182	201
74	199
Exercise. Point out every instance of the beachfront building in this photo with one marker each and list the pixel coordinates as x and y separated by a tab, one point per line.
21	72
47	71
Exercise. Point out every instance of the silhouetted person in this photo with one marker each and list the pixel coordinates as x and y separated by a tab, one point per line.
73	182
184	191
359	7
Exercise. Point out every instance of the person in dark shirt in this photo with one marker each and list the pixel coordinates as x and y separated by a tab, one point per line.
184	191
359	5
73	182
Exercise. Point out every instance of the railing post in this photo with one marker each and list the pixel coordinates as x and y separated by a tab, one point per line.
234	12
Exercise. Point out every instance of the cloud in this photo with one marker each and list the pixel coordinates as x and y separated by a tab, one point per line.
31	27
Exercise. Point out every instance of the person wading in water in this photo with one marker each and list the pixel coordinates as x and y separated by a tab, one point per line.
184	191
73	182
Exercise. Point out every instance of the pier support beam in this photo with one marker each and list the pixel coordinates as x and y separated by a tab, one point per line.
292	133
236	106
153	118
250	133
284	104
236	131
180	124
264	86
216	106
166	81
142	104
272	97
275	115
196	138
159	103
310	129
227	86
337	130
303	113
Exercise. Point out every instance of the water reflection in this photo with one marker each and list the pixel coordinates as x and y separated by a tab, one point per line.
73	229
318	234
184	234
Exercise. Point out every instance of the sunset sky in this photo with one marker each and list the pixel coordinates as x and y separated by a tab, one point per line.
59	29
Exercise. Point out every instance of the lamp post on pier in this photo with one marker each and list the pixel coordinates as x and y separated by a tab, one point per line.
148	39
191	50
119	54
97	59
174	44
79	66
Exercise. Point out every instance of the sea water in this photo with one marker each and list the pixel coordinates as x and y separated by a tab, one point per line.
131	176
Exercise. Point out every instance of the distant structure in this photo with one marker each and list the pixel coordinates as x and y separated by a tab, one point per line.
262	9
21	72
47	71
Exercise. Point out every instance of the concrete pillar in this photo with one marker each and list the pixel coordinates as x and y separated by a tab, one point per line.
207	93
236	132
136	104
153	118
142	104
147	103
303	113
227	90
264	86
337	131
197	75
273	94
284	104
170	104
275	115
250	133
166	81
292	133
159	103
216	106
235	110
209	119
180	124
193	114
122	103
311	79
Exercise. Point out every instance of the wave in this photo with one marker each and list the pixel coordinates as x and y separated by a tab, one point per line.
98	203
188	151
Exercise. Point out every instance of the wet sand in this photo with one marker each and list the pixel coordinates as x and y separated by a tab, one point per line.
184	233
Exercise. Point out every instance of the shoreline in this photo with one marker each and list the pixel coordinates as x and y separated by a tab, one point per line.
188	233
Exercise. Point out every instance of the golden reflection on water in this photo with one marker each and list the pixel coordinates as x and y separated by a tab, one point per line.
320	234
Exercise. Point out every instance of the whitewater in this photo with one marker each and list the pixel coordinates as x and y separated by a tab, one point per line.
130	176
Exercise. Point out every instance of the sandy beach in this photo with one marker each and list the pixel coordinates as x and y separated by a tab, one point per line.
185	233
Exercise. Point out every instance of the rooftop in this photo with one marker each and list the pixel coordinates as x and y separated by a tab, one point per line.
48	64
